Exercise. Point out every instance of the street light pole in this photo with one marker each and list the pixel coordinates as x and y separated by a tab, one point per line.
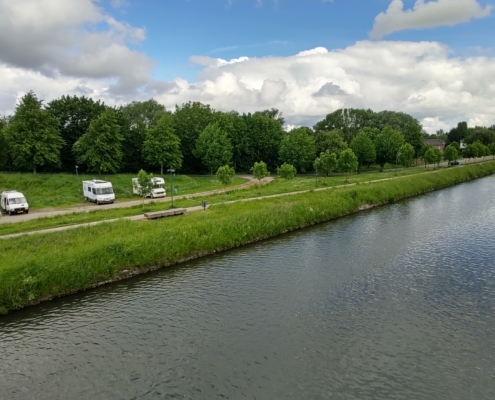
171	184
77	173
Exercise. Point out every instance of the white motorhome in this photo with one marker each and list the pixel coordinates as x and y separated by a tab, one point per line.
158	187
14	202
98	192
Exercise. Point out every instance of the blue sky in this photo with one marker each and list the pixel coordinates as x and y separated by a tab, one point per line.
432	59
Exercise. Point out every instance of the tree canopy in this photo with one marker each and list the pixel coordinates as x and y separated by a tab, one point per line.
298	149
213	148
364	149
33	137
387	145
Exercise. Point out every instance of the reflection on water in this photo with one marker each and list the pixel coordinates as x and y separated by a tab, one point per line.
397	302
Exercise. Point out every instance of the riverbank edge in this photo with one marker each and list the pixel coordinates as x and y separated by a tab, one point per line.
381	193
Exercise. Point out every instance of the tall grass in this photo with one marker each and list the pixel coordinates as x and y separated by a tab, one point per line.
33	268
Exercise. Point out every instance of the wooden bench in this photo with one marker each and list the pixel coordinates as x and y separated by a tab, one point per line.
165	213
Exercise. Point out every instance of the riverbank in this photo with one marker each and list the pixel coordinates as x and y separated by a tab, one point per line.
37	268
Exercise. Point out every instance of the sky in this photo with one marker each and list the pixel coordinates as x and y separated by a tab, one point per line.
432	59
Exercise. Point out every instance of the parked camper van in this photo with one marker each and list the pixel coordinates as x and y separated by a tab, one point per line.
13	202
158	187
98	192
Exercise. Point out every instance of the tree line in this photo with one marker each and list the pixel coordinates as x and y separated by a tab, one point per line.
197	139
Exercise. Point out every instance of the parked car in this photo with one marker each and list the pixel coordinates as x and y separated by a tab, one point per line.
455	163
13	202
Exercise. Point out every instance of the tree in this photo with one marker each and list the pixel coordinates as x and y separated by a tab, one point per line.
430	156
364	149
273	114
413	135
457	134
470	151
287	171
406	155
74	115
327	164
387	144
259	170
213	147
225	174
161	145
144	184
100	148
438	155
347	162
491	148
330	140
33	136
4	145
190	120
348	120
135	119
298	149
450	153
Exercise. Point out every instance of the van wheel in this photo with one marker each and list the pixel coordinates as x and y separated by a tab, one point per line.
97	203
27	211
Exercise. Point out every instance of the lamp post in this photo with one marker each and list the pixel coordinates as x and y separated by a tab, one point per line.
171	184
77	172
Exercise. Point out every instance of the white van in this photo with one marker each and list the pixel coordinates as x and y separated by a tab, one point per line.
158	187
98	192
13	202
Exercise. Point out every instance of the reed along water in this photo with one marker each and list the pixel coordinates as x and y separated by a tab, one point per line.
392	303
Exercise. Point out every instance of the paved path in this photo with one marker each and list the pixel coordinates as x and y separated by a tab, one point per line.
35	214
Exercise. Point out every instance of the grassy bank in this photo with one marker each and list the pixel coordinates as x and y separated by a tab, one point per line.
60	190
277	186
38	267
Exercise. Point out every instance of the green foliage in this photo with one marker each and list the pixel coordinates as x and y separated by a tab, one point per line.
413	136
364	149
298	149
74	115
4	146
327	163
144	184
225	174
161	145
456	146
491	148
259	170
213	147
430	156
406	155
273	114
480	134
287	171
190	120
450	153
457	134
330	140
347	162
135	120
33	137
347	120
372	133
100	148
387	144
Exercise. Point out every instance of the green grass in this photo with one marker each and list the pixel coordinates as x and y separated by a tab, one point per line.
61	190
33	268
278	186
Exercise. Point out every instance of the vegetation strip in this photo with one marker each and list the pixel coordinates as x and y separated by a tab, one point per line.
40	267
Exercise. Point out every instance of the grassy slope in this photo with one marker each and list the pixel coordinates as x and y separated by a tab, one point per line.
37	267
275	187
58	190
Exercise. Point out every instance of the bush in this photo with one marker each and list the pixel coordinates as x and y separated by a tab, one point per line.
287	171
225	174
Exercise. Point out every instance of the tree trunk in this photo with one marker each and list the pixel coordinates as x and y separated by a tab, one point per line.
161	170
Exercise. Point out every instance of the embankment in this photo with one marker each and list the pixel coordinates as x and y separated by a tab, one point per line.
39	267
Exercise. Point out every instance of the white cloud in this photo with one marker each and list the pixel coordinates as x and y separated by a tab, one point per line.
74	39
426	15
52	51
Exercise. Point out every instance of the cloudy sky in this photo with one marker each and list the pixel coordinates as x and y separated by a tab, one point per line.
433	59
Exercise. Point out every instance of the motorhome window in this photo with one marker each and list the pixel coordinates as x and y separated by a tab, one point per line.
158	186
89	189
104	191
17	200
94	191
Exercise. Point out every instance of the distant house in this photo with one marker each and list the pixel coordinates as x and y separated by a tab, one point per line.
438	143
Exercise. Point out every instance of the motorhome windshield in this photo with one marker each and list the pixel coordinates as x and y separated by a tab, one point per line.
104	191
17	200
158	186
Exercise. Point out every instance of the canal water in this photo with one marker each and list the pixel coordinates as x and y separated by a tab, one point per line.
392	303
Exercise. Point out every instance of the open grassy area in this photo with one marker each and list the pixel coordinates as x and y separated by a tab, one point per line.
277	186
59	190
37	267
